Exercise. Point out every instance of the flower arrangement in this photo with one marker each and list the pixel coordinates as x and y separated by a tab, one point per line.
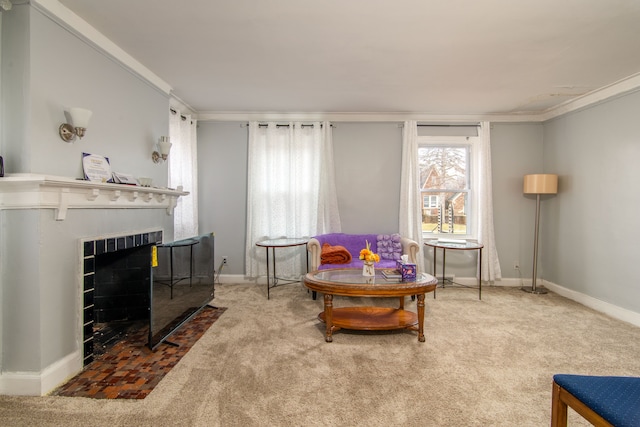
367	254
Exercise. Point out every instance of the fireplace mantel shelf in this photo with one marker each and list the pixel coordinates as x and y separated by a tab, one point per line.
33	191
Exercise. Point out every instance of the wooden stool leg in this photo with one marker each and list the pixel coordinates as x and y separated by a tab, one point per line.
558	408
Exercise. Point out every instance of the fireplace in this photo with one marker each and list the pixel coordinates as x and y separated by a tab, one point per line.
117	277
56	227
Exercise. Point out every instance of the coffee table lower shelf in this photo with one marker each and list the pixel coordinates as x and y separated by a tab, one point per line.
371	318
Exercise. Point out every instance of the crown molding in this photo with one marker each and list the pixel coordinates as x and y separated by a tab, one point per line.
76	25
64	17
242	116
178	104
621	87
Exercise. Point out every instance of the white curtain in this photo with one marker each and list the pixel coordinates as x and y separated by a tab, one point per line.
328	214
183	171
490	262
291	191
410	224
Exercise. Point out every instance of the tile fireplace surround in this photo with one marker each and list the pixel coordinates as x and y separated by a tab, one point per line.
46	223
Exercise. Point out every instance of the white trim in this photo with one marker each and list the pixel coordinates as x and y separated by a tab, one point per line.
603	307
236	278
473	169
596	304
81	28
621	87
511	282
473	282
40	383
177	103
241	116
20	383
33	191
60	371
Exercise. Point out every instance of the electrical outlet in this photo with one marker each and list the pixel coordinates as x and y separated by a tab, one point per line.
516	265
224	260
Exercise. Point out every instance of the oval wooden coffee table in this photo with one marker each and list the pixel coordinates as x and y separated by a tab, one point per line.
351	283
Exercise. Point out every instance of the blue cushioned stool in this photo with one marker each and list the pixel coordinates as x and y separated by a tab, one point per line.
603	401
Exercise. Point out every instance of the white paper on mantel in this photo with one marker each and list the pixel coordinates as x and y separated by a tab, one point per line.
96	168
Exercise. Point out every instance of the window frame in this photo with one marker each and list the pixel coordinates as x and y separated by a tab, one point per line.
471	207
430	205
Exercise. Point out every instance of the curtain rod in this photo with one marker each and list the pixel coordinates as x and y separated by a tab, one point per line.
450	126
401	125
175	112
262	125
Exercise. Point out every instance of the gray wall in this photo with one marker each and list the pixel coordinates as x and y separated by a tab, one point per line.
367	159
516	150
222	190
368	162
592	225
45	70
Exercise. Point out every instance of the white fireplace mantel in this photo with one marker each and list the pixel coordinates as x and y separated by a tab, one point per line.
33	191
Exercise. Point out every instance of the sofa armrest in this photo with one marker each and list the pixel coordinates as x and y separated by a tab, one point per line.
411	248
313	246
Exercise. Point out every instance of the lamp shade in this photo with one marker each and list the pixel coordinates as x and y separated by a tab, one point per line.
164	145
541	184
80	117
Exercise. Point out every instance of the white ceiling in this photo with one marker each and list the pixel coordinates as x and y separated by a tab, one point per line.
457	57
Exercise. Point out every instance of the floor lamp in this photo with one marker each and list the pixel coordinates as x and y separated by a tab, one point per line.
538	184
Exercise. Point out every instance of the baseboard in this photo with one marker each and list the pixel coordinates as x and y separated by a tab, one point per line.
20	384
510	282
596	304
40	383
473	281
241	278
235	278
609	309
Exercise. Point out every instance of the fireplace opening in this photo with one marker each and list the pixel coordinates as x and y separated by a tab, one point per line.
121	295
137	289
110	314
106	335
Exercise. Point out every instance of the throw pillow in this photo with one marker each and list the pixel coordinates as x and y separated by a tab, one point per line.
389	246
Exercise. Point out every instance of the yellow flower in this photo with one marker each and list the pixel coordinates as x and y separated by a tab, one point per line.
367	255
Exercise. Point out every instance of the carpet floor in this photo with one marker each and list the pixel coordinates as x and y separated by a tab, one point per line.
265	362
129	369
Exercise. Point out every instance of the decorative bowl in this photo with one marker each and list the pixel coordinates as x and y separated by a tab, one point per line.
145	182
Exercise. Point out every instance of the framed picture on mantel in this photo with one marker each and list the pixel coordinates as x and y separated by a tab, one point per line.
96	168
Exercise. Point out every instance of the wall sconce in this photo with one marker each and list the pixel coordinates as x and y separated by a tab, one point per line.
164	146
80	119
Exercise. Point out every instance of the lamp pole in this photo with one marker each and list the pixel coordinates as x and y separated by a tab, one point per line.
533	289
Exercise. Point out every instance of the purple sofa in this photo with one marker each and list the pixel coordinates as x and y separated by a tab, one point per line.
356	242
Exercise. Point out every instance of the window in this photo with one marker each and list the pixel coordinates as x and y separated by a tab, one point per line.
429	201
290	189
446	186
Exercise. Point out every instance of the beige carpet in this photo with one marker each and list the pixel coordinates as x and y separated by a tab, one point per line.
265	363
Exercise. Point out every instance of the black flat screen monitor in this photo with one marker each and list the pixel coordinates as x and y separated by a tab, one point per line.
182	284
